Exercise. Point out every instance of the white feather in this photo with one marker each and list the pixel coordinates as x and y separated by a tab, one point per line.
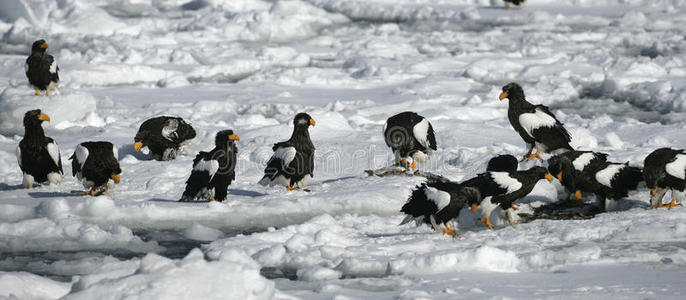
115	152
582	161
440	198
677	168
419	156
537	119
211	166
169	131
487	207
285	154
26	67
27	180
81	154
54	152
53	66
605	176
504	180
19	156
54	178
421	132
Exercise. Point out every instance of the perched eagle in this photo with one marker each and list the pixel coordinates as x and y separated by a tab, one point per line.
501	189
438	204
568	167
41	69
665	169
96	165
164	136
213	171
411	137
38	156
292	159
611	180
535	124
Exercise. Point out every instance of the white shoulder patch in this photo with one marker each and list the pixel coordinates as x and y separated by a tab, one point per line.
115	152
54	152
285	154
19	156
605	176
677	168
53	66
582	161
421	132
440	198
504	180
211	166
81	154
537	119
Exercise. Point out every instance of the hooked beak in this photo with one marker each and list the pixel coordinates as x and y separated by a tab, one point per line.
474	207
44	45
137	146
559	176
44	117
116	178
549	177
234	137
312	122
502	96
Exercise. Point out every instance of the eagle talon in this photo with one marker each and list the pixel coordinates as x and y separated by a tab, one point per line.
670	205
511	223
290	188
37	93
488	223
448	231
515	207
535	155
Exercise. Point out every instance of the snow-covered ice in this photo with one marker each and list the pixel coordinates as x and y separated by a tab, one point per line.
613	71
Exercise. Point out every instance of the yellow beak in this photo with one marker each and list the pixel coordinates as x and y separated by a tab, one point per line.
116	178
653	192
559	176
234	137
502	96
474	207
44	117
312	122
577	194
137	146
44	45
549	177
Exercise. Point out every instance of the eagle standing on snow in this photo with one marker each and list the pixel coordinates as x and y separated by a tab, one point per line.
411	137
292	159
509	3
611	180
535	124
437	203
503	188
213	171
665	169
95	164
568	167
164	136
41	69
38	156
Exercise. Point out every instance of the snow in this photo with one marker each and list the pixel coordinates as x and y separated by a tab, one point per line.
612	71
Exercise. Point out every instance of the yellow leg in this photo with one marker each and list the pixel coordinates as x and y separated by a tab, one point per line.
448	231
670	204
511	223
413	166
535	155
30	186
47	93
515	207
212	199
292	188
37	93
488	223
